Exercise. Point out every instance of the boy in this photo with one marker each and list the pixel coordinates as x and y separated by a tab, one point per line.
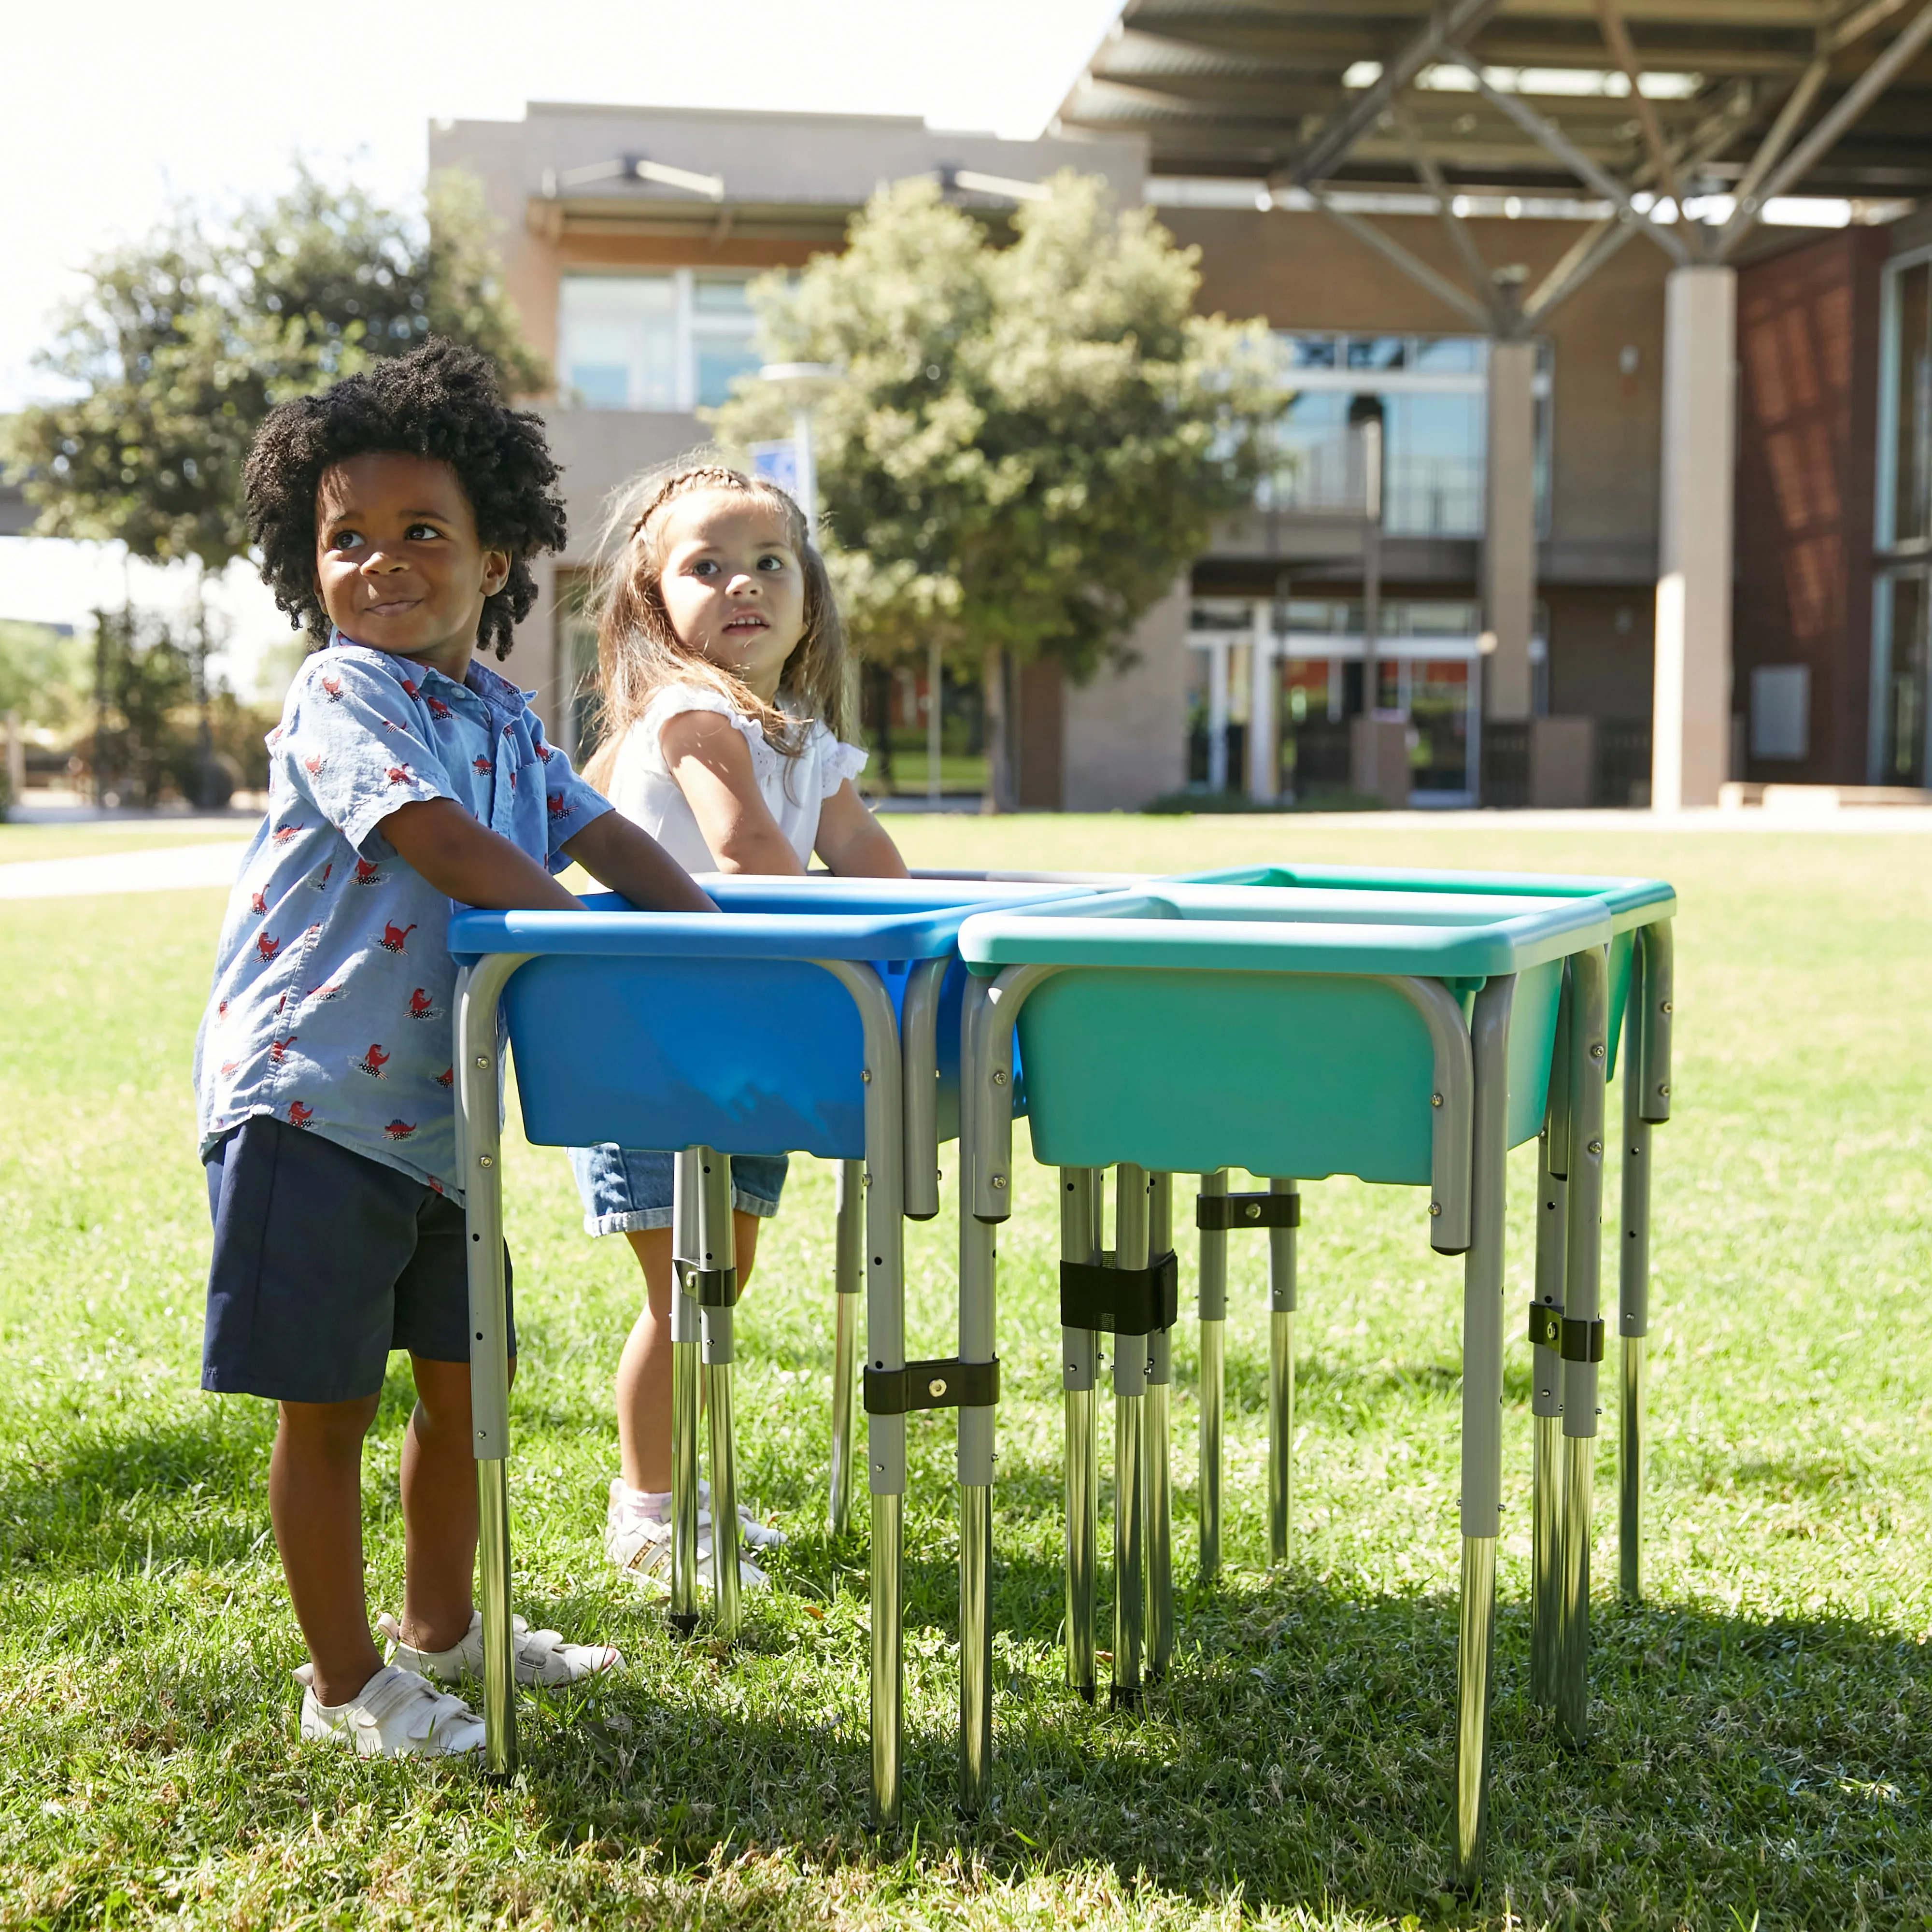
396	514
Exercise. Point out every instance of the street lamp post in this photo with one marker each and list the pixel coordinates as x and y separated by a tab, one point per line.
802	384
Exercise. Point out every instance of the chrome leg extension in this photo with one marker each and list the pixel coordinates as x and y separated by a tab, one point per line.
978	1261
1482	1420
1546	1392
705	1266
479	1149
1281	1379
1080	1240
1213	1306
684	1412
1130	1251
1645	1078
848	1277
1157	1483
1583	1332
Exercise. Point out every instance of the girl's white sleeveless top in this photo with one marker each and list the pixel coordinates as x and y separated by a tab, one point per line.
794	789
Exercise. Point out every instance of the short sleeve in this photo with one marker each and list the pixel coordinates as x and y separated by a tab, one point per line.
349	748
571	803
674	701
837	762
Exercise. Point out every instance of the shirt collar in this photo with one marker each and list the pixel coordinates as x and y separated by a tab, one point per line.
478	677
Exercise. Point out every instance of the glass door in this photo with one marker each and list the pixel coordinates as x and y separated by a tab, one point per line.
1905	671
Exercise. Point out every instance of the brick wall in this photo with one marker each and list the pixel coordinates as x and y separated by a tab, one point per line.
1807	406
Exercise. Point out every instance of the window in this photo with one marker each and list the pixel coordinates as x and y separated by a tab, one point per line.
1905	405
675	340
1430	394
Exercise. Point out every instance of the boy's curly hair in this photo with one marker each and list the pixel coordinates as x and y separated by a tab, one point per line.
441	401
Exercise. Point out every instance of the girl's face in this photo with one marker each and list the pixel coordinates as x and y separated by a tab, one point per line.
733	585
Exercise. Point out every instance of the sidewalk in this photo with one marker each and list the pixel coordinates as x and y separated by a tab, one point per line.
174	868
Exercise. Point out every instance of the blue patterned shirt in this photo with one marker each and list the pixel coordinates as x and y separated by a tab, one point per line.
333	984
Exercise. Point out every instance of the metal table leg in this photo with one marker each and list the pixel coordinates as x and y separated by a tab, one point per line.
1214	1307
1482	1420
707	1272
848	1277
1553	1209
1582	1331
1080	1240
1157	1479
1645	1076
479	1146
1130	1251
1281	1379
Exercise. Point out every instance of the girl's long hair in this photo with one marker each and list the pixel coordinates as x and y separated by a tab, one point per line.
638	652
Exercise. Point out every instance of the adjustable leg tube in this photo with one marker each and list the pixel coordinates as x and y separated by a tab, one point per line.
1482	1421
684	1409
978	1285
848	1278
716	1274
1582	1331
1552	1211
1079	1351
1281	1379
1214	1335
479	1138
1130	1251
1157	1477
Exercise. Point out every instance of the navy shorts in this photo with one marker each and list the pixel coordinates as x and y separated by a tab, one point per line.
325	1261
626	1189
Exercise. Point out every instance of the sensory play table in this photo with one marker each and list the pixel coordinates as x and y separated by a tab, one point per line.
1401	1036
807	1016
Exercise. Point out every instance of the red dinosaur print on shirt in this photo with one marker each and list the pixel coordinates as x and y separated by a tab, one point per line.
410	686
544	752
228	1067
366	873
437	709
422	1008
267	947
300	1116
373	1062
481	766
323	881
258	902
560	807
332	689
312	764
393	936
436	1186
278	1050
274	737
288	832
400	1130
221	1011
447	1078
333	991
401	774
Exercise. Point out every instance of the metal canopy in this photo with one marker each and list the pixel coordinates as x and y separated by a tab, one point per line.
1528	96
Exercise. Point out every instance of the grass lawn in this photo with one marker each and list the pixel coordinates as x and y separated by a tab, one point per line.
1760	1752
91	838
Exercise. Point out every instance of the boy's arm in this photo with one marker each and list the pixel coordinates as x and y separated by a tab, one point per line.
853	842
708	756
628	859
467	862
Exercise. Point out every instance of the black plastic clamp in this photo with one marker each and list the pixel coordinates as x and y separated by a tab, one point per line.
1546	1325
709	1287
1583	1341
1222	1213
949	1383
1123	1301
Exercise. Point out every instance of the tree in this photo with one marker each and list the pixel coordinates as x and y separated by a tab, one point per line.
1029	441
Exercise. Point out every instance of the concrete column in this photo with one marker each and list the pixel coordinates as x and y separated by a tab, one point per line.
1217	715
1691	733
1264	708
1509	528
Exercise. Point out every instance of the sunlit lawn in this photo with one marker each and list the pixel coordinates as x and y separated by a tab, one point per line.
1759	1748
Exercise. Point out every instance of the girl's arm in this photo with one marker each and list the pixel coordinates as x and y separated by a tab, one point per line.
853	842
707	755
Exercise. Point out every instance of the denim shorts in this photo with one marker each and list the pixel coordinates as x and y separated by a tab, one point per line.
625	1189
324	1261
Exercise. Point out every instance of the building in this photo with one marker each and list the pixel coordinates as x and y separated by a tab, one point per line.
1468	539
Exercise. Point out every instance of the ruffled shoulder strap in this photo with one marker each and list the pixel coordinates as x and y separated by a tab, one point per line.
674	701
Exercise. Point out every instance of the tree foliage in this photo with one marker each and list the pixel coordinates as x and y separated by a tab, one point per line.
166	364
1029	441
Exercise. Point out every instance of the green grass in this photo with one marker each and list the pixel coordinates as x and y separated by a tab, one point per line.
90	839
1758	1752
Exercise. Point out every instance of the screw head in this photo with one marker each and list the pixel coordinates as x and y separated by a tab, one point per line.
936	1387
483	1160
999	1183
482	1059
1253	1210
865	1076
1434	1207
1596	1147
1664	1089
1436	1099
1666	1006
999	1077
1597	1052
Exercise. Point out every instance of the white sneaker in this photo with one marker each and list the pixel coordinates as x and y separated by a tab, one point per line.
397	1714
542	1656
638	1540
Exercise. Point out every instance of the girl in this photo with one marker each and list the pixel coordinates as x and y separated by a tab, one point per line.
722	665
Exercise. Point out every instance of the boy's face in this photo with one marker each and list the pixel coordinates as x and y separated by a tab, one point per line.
398	564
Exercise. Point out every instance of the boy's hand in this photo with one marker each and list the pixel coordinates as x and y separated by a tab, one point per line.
466	862
628	859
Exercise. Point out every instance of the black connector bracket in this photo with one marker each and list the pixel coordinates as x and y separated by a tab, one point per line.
1546	1325
1583	1341
709	1287
947	1384
1225	1214
1122	1301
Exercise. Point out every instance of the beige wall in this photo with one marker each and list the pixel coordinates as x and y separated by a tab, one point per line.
1126	732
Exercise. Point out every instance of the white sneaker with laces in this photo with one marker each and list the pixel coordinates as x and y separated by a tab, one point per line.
397	1714
542	1656
637	1539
